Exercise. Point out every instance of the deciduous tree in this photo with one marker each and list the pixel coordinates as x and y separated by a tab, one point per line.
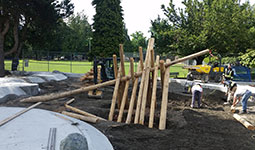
19	16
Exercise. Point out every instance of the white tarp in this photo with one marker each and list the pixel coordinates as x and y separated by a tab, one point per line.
30	131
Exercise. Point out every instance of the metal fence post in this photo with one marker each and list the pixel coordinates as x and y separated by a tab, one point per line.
48	61
70	62
23	62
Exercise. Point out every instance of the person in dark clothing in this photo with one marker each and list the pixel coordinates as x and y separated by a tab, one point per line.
197	92
228	73
227	80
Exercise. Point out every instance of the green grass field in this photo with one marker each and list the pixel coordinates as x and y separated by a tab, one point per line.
76	66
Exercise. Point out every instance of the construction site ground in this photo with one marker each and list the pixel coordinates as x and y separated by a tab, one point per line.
211	127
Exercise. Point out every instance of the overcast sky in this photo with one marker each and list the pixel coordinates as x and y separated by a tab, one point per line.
137	13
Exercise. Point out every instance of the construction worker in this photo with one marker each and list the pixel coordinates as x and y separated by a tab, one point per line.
243	92
228	73
228	76
197	92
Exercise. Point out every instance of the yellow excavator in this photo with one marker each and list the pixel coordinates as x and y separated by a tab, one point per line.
208	72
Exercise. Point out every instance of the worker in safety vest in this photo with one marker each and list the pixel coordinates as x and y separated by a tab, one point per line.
228	73
227	80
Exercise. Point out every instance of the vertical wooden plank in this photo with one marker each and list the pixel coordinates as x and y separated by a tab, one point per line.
141	57
122	66
154	91
145	90
146	80
150	79
132	69
163	112
122	60
133	97
139	99
114	97
152	58
141	90
123	102
162	72
115	66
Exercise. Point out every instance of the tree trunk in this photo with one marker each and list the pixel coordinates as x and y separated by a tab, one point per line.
2	72
3	30
16	40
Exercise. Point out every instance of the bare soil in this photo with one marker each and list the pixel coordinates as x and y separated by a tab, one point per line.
211	127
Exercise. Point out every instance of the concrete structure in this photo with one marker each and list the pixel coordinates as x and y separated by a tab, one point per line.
30	131
180	84
10	88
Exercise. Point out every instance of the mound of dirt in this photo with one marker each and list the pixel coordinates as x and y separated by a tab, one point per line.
211	127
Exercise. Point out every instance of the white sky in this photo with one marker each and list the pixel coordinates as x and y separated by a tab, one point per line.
137	13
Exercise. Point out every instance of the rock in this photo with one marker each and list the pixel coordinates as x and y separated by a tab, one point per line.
74	141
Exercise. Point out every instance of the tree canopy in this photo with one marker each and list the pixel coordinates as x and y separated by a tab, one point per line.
18	17
221	25
108	28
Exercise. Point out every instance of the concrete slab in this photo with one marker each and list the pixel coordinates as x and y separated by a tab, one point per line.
30	131
212	86
49	76
74	75
9	80
32	79
10	89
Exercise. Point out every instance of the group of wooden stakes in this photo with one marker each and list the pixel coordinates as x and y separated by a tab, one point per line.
146	75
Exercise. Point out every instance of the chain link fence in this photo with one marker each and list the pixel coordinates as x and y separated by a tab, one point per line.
74	62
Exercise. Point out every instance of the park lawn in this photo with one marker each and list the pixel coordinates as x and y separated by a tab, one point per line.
175	68
77	66
49	66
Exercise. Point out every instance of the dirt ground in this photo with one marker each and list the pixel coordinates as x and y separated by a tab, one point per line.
211	127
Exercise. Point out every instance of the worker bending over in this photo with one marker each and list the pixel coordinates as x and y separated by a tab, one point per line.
197	92
243	92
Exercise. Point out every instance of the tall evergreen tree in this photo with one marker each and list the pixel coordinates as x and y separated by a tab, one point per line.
108	28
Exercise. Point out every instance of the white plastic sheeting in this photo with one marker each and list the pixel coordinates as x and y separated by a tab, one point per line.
30	131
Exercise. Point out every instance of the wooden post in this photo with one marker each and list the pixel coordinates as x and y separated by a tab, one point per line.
150	79
122	60
144	97
115	65
163	112
141	57
114	97
132	69
70	101
122	66
84	118
154	91
141	90
152	58
162	72
83	112
53	96
139	100
146	80
244	122
123	102
187	57
133	97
